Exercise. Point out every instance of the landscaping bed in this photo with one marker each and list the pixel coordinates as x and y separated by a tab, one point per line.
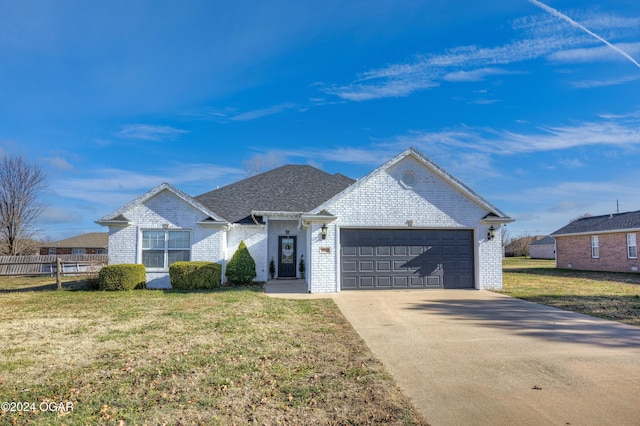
609	295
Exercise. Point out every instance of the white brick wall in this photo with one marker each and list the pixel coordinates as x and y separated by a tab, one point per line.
255	237
164	209
383	201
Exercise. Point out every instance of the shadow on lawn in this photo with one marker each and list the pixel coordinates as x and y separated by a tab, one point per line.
533	320
67	285
621	277
81	285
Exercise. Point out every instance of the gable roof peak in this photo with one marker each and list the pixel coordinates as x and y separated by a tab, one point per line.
500	217
118	215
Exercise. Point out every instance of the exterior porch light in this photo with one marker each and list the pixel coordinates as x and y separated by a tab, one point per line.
323	231
491	233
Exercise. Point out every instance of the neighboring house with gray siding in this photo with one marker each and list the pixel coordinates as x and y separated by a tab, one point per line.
600	243
543	248
407	224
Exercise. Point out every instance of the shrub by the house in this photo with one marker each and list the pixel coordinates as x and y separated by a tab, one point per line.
195	275
241	269
122	277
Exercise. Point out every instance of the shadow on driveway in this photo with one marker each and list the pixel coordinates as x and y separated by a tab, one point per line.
533	320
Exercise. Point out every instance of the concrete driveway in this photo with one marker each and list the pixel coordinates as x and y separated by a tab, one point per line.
469	357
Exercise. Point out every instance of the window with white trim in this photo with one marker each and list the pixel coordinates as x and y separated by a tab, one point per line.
595	247
632	247
78	250
161	248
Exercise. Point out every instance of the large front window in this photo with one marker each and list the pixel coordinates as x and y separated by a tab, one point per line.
162	248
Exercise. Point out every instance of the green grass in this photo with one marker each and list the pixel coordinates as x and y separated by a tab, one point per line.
609	295
225	357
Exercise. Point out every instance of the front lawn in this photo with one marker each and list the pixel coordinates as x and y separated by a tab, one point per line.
609	295
152	357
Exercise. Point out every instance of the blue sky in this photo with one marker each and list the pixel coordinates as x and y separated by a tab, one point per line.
533	105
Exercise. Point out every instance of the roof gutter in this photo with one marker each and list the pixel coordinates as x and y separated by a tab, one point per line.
117	223
606	231
277	214
496	220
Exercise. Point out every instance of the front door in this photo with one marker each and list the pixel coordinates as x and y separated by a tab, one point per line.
287	257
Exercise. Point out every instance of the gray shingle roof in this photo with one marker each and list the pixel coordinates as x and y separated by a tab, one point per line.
543	241
290	188
91	240
609	222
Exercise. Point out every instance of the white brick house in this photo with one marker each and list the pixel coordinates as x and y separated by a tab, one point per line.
408	224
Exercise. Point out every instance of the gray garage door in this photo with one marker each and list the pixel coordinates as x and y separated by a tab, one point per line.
406	258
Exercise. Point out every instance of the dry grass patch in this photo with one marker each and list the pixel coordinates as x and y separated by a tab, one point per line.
609	295
225	357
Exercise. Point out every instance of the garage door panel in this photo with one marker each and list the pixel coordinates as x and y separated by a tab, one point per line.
383	251
400	282
416	250
399	266
349	266
383	266
400	250
366	282
406	259
349	251
365	266
349	283
365	251
384	282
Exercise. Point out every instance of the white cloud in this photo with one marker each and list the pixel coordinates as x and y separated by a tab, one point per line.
588	84
111	188
55	215
59	163
259	113
572	22
592	54
541	37
150	132
475	75
621	132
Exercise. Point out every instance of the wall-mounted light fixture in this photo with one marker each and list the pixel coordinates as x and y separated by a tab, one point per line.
492	233
323	231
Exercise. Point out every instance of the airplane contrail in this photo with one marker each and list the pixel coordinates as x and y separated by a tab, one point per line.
561	15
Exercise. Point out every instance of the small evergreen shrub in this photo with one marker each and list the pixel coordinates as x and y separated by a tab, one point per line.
301	267
272	268
122	277
241	269
195	275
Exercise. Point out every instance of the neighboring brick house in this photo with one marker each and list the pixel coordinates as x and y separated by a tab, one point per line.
600	243
91	243
407	224
542	248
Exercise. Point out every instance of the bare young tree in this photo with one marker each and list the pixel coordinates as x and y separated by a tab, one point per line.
521	244
21	187
260	163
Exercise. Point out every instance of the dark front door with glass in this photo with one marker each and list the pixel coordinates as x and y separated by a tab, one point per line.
287	257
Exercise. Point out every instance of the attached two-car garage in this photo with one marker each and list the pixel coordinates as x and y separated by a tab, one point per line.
406	258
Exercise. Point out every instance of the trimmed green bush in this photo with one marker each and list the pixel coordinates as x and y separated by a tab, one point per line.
195	275
241	269
122	277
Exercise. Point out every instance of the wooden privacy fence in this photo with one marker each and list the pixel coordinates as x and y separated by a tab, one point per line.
71	264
